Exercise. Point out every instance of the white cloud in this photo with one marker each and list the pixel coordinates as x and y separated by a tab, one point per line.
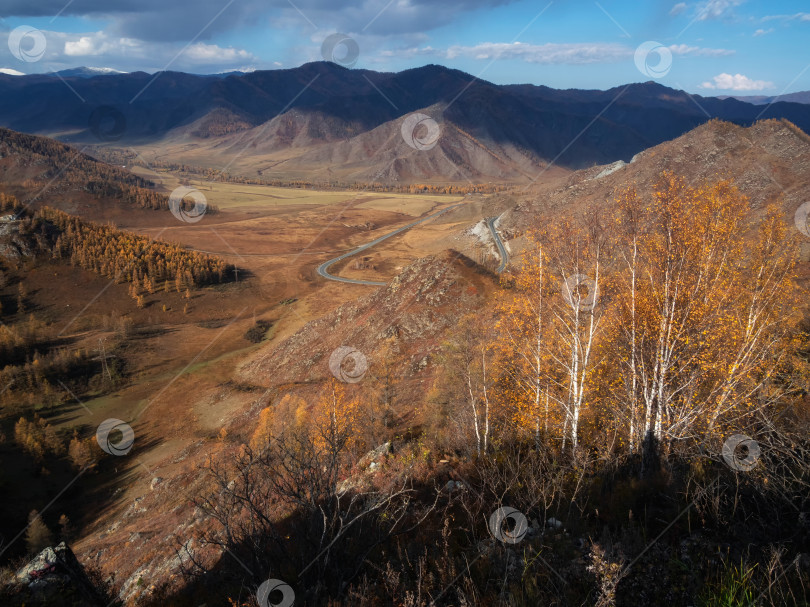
678	9
211	53
683	49
794	17
550	53
132	53
762	32
717	9
737	82
99	44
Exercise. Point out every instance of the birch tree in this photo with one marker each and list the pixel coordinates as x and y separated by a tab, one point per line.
697	328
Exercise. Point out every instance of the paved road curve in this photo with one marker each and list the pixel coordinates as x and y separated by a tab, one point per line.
323	269
499	243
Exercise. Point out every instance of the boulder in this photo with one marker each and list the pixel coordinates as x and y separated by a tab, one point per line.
52	577
375	454
454	486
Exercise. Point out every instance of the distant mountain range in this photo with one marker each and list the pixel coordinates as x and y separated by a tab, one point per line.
800	97
488	130
75	72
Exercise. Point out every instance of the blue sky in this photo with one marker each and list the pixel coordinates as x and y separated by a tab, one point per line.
711	47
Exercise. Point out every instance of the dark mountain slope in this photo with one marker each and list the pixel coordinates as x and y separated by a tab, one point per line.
578	128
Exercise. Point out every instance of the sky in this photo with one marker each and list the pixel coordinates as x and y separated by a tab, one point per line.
709	47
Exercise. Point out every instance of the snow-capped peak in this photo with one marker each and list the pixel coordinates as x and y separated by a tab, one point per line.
88	72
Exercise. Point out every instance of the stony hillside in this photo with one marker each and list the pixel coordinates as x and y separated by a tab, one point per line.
404	321
769	162
381	154
412	312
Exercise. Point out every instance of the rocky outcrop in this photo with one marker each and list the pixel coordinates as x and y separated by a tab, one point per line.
53	577
414	310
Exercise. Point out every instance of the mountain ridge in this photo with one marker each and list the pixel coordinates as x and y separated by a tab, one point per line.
531	125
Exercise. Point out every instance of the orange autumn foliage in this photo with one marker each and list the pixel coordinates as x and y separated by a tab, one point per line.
694	300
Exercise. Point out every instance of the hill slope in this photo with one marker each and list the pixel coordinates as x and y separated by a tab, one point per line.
769	162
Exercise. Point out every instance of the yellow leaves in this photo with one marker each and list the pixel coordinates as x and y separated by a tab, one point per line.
262	434
703	287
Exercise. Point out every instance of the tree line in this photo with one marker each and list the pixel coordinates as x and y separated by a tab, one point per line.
74	169
129	257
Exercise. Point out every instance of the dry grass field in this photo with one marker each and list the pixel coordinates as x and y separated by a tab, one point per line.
276	237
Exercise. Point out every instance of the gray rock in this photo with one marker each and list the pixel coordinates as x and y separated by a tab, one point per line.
52	575
453	486
375	454
349	484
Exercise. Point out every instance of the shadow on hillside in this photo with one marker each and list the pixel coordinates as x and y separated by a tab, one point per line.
676	531
54	487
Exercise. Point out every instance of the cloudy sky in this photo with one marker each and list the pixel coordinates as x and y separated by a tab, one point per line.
706	46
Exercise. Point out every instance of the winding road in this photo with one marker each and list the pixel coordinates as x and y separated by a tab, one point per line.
499	244
323	269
